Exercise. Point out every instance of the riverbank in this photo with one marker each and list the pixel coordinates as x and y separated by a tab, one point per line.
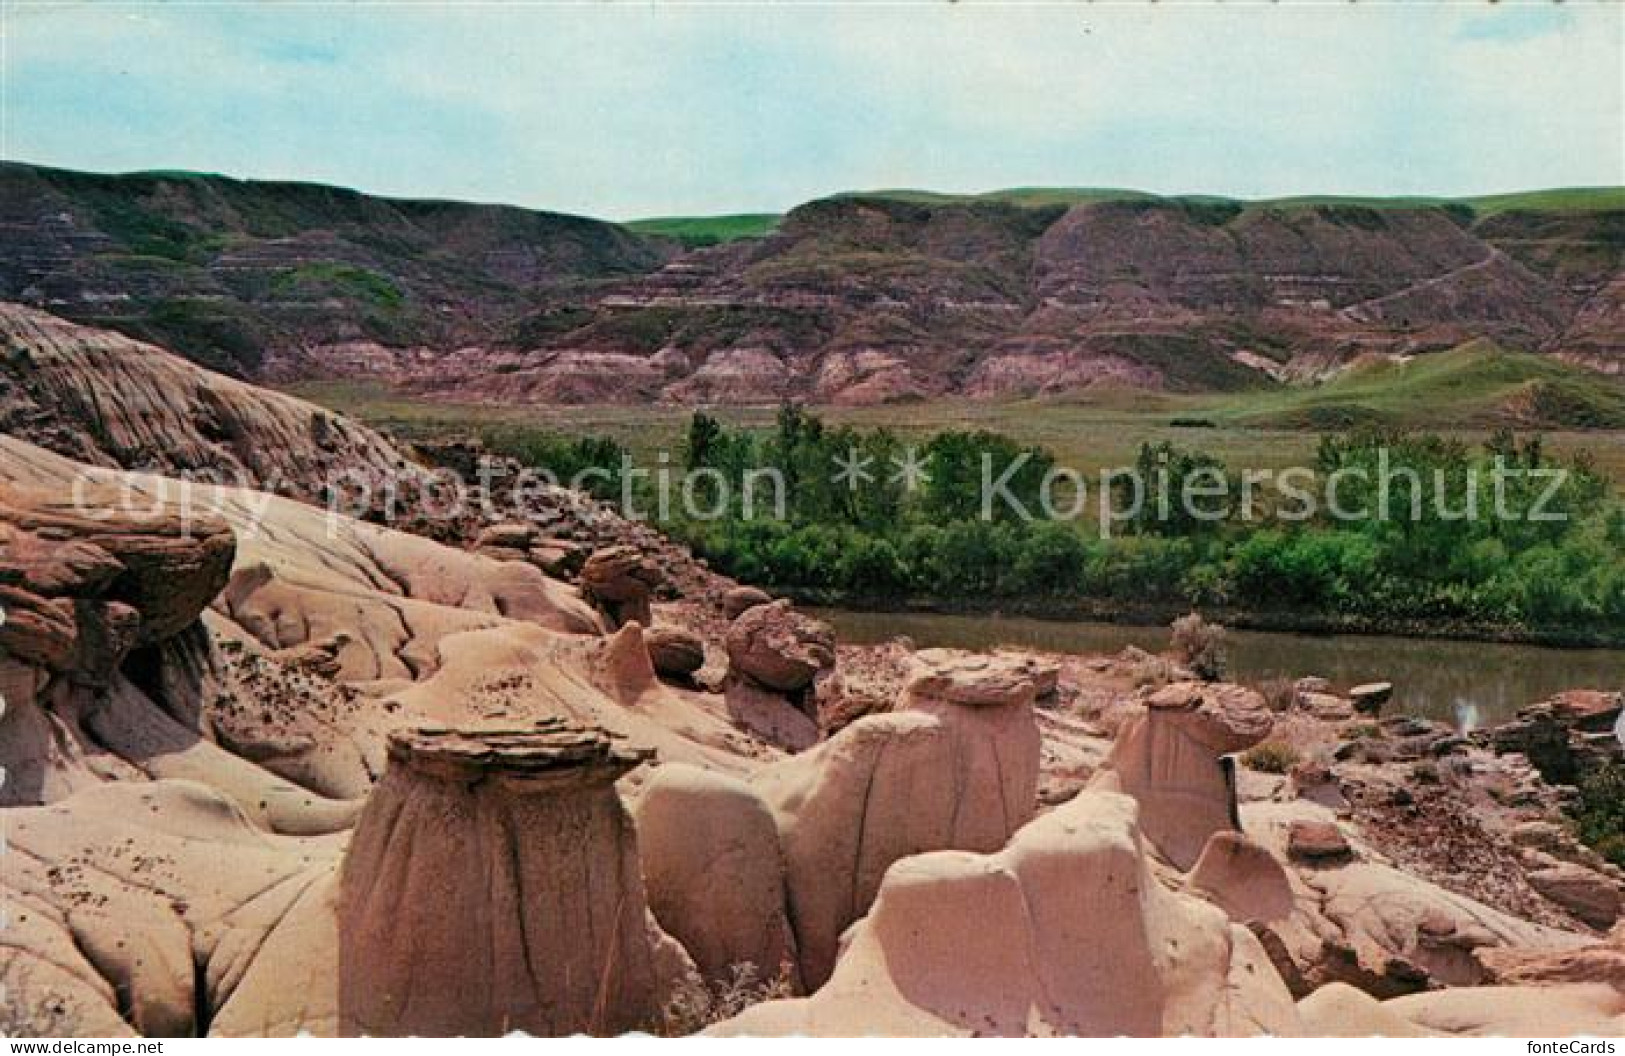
1467	684
1157	614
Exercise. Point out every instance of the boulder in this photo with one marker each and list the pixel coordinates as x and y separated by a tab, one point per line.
737	600
1566	736
1368	699
507	536
675	652
506	862
1173	759
1328	707
780	649
1317	841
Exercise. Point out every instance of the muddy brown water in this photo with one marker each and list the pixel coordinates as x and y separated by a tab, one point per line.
1469	684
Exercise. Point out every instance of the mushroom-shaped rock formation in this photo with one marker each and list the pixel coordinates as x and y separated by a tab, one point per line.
1362	922
1173	760
493	884
1064	932
957	768
618	581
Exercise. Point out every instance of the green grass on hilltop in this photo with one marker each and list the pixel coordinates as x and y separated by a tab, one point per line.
697	231
1557	199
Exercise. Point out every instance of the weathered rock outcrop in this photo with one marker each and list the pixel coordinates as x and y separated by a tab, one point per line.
493	884
1173	760
1564	737
161	908
780	649
715	873
102	398
1065	932
781	667
956	768
736	600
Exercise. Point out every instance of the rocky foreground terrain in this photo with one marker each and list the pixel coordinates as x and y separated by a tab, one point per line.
272	767
854	299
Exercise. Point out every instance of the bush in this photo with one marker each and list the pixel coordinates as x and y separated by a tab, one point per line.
1199	645
1599	812
1152	671
1270	757
696	1004
1279	694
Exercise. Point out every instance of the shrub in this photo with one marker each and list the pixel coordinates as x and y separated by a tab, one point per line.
1199	645
696	1004
1152	671
1270	757
1279	694
1599	812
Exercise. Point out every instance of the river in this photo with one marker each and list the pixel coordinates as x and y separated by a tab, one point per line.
1469	684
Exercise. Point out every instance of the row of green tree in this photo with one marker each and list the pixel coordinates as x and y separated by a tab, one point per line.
1499	535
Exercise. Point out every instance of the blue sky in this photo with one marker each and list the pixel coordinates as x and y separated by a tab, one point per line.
644	109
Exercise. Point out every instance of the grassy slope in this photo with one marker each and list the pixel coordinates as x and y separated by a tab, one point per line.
1477	385
696	231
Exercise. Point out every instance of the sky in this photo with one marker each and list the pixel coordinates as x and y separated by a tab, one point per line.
657	108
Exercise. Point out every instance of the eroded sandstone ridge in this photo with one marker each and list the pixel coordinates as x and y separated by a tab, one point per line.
850	299
1066	931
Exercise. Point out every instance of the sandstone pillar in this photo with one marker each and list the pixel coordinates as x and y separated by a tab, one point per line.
493	885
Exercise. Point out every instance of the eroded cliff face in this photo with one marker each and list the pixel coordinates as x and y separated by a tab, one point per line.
250	276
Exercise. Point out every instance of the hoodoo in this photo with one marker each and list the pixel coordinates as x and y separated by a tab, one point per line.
493	885
1173	759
